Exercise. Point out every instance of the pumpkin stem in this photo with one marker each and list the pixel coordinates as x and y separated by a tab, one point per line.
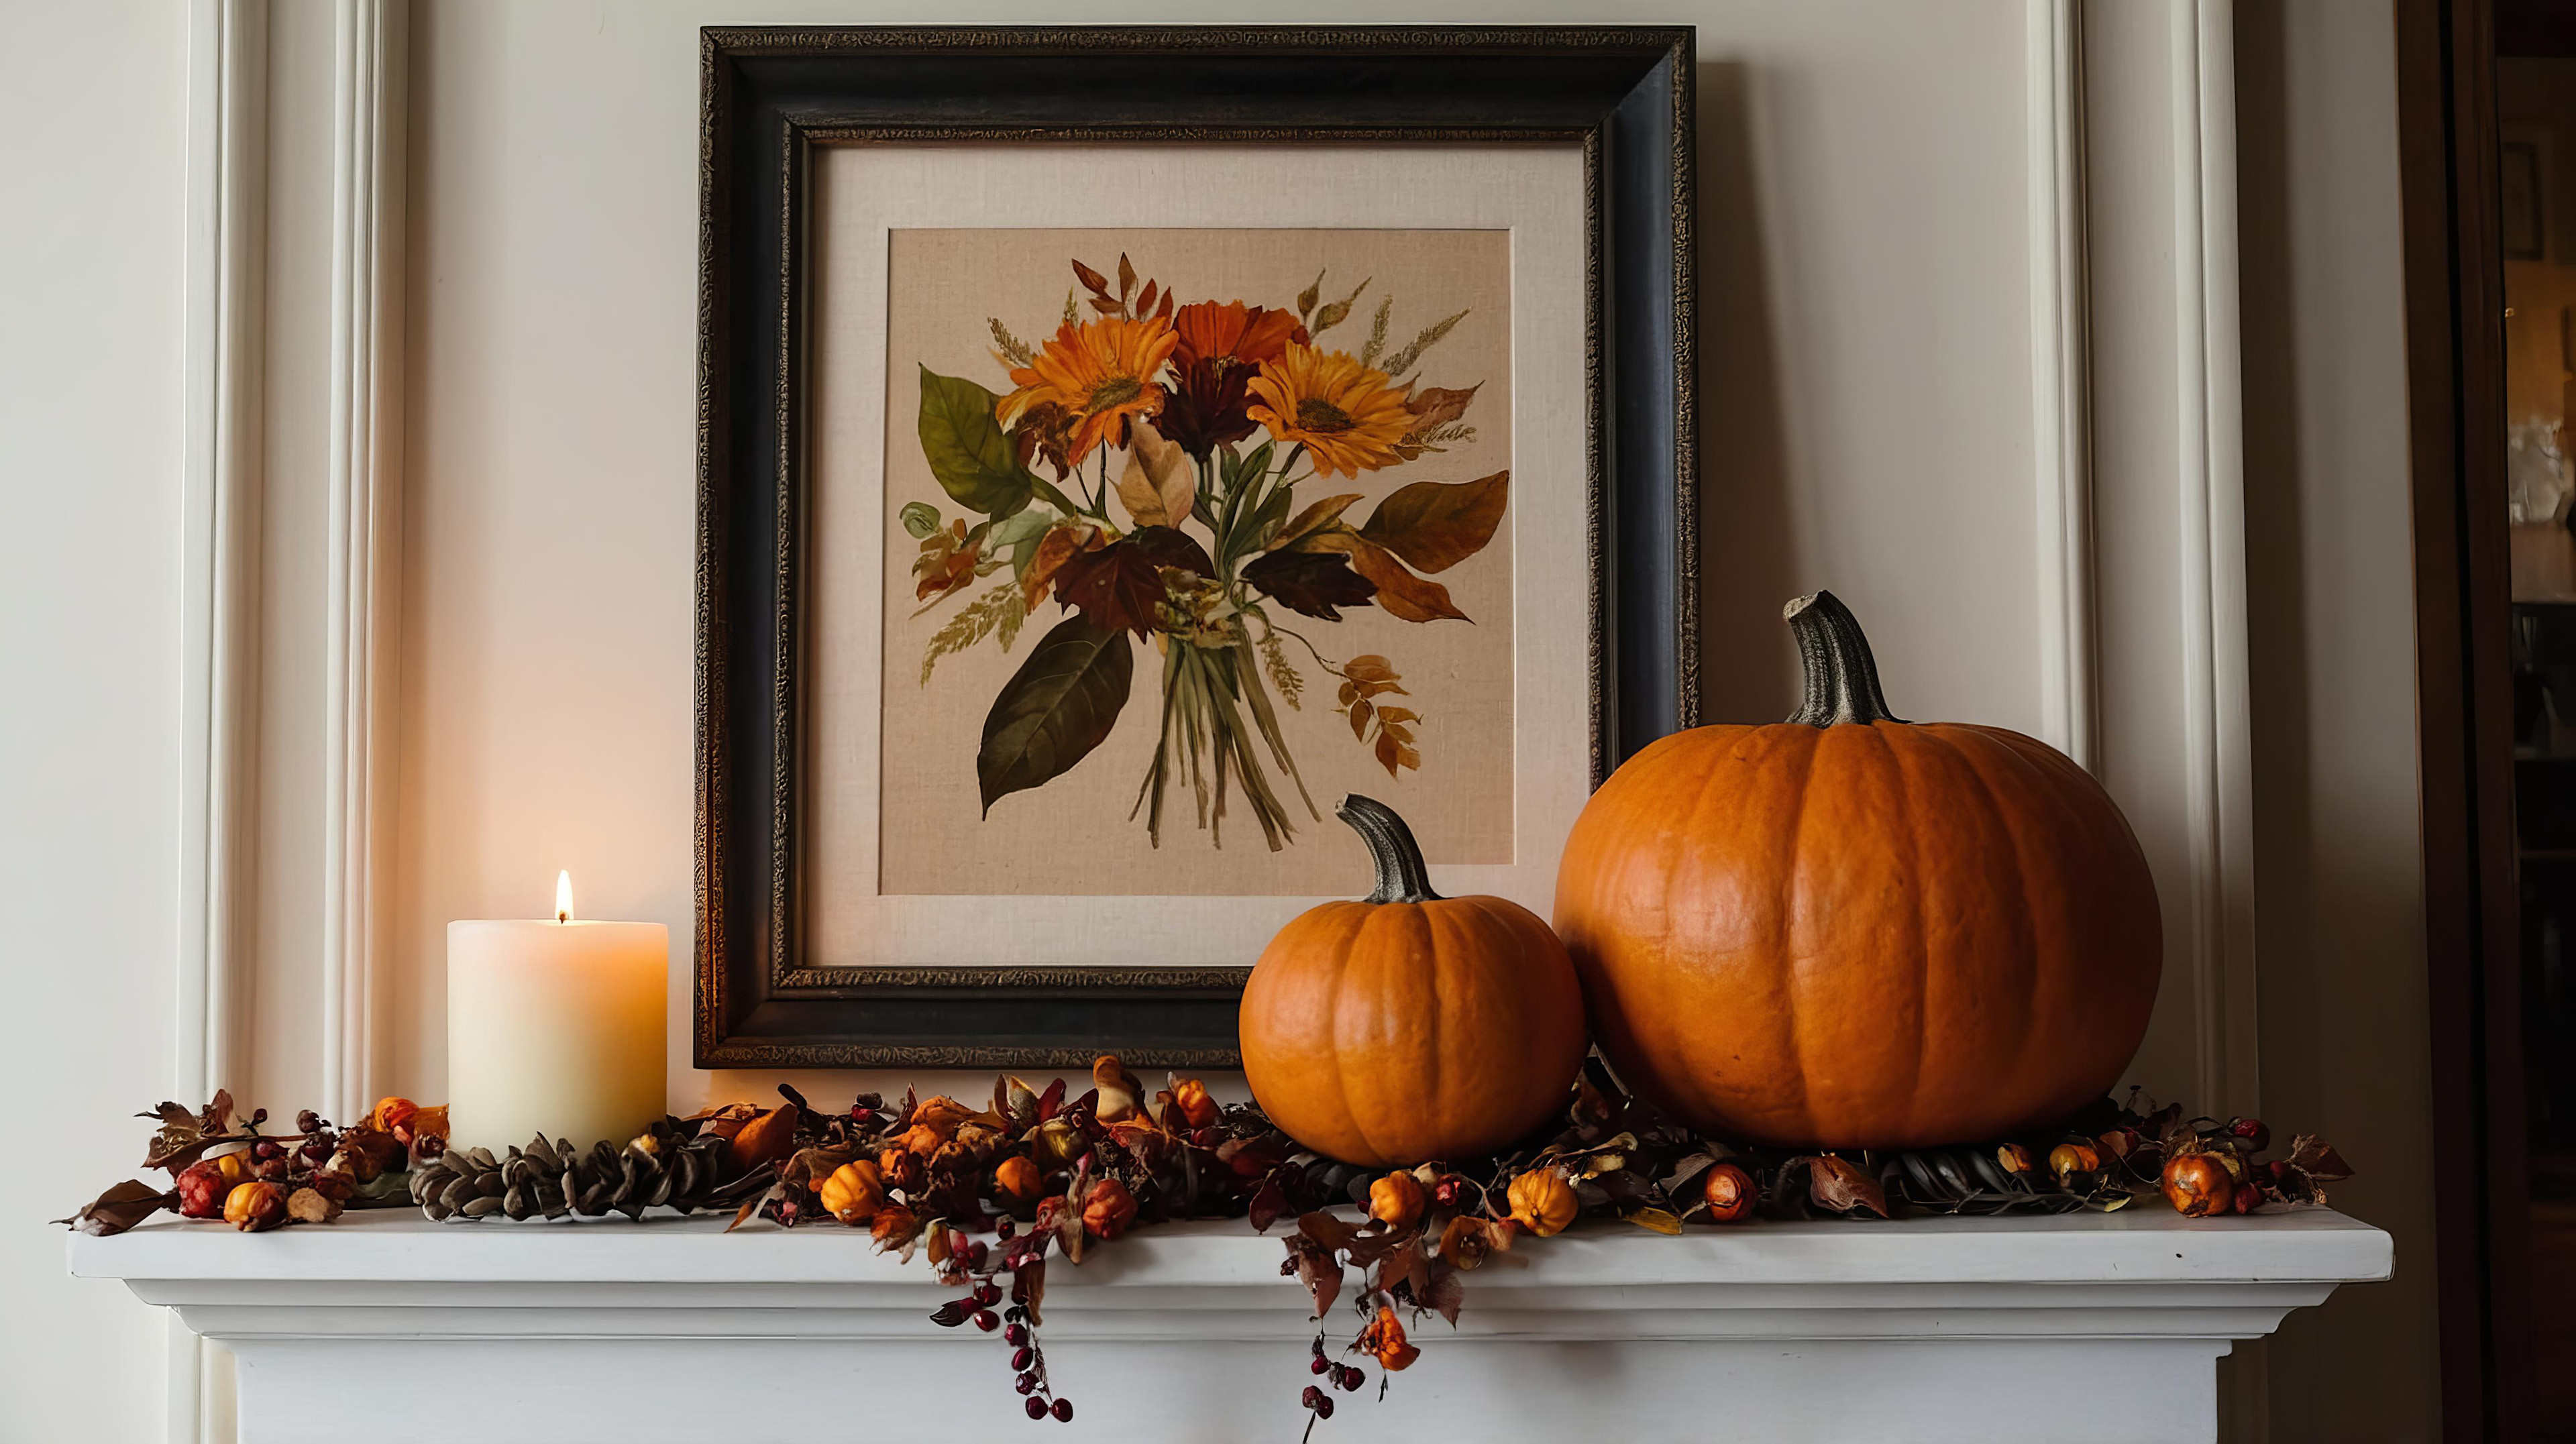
1842	677
1402	876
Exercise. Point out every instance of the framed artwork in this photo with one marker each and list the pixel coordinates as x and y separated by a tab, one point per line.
1117	445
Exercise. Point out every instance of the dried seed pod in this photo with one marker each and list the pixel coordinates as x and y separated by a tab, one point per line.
480	1207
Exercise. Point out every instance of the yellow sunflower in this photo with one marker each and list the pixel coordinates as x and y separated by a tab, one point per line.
1346	416
1100	372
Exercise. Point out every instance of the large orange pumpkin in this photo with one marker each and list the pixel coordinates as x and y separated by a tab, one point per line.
1850	931
1410	1027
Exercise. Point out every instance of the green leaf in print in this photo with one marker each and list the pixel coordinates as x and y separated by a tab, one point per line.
974	460
1055	709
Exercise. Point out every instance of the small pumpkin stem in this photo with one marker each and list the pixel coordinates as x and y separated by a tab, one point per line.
1842	677
1402	876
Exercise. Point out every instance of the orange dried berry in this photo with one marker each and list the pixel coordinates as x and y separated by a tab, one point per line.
1108	1208
1729	1193
2198	1186
924	1139
2248	1198
1017	1179
1195	1104
2014	1158
2068	1159
1395	1200
854	1192
1384	1337
893	1225
1542	1202
390	1113
254	1206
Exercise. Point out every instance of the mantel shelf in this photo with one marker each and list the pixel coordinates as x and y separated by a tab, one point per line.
1839	1314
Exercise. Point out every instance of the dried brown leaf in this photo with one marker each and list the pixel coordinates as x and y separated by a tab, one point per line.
121	1208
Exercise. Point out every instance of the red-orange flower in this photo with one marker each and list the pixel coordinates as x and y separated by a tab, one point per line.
1100	373
1220	345
1233	331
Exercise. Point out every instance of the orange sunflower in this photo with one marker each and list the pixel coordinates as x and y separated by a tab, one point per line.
1346	416
1100	372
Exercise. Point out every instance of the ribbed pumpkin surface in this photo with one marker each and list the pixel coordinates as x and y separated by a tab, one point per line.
1872	934
1389	1034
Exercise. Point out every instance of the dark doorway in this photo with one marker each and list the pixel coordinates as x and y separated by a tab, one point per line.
2487	111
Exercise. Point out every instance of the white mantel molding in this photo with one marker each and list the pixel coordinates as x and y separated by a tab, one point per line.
2101	1327
363	634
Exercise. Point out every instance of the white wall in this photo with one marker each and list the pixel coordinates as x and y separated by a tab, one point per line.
91	108
1866	408
2338	851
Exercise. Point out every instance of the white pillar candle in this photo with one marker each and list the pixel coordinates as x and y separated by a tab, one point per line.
554	1026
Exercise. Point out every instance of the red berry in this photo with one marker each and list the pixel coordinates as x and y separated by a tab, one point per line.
1036	1408
2253	1132
986	1320
1324	1408
1004	1228
1016	1335
1319	1365
1352	1378
987	1294
1022	1358
1025	1382
1313	1396
1064	1411
975	1256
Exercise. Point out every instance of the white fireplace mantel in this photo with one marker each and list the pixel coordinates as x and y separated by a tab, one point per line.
2098	1327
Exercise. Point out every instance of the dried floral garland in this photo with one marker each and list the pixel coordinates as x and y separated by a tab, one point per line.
987	1194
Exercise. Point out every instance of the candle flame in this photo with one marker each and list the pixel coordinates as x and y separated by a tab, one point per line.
563	896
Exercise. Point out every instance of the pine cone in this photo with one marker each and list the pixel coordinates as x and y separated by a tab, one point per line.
550	1180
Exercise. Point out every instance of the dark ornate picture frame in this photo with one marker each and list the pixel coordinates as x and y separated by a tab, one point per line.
770	96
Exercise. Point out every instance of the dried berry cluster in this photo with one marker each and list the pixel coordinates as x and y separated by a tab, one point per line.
222	1167
989	1193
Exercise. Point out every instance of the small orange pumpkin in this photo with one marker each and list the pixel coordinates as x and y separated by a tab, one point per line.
1851	931
1410	1027
1542	1201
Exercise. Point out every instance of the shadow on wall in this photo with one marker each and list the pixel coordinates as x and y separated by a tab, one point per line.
1748	665
2338	926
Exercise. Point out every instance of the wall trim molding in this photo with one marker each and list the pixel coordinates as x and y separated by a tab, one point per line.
363	626
2062	381
2217	720
221	490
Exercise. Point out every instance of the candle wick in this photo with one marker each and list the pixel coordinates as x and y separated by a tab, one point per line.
563	917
